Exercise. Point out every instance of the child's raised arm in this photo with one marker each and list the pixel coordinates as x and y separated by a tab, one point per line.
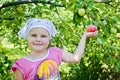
76	56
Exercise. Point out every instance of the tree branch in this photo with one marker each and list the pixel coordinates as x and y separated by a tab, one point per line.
103	1
37	1
11	18
26	2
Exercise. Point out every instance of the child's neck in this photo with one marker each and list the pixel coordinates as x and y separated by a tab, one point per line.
38	52
37	55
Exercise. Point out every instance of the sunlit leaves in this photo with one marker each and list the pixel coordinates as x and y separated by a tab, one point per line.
101	58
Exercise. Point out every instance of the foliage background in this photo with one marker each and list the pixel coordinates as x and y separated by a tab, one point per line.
101	60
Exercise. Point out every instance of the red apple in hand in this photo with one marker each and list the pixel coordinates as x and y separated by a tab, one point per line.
91	28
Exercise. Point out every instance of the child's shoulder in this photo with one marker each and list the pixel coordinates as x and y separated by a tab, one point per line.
55	49
20	59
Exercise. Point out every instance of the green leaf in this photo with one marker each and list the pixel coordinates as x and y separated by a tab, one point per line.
90	3
101	40
88	22
117	67
96	23
101	6
118	64
106	30
115	19
112	60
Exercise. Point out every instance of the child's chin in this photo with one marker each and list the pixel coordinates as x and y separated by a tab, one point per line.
38	49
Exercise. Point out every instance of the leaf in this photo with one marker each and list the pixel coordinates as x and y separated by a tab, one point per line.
112	60
96	23
52	6
101	6
90	3
118	64
117	67
101	40
88	22
106	30
115	19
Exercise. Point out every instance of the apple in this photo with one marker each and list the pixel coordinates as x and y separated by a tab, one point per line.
81	12
118	27
91	28
113	30
19	9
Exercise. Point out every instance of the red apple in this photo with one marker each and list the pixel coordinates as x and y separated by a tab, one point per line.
91	28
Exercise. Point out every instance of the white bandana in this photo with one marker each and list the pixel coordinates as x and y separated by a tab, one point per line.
37	22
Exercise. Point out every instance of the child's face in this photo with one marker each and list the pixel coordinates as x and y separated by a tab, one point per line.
38	39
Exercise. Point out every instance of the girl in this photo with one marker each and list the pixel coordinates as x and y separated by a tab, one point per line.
42	63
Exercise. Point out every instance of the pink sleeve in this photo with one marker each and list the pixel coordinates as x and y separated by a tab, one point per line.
18	65
59	54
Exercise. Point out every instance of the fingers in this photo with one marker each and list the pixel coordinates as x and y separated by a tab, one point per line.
95	33
91	34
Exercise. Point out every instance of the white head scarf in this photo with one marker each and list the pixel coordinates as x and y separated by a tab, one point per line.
37	22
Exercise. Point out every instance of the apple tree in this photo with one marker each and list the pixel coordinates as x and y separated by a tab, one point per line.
101	60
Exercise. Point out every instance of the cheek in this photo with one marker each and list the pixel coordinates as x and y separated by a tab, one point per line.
47	42
29	42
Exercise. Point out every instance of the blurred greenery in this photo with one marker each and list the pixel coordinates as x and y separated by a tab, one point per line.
101	60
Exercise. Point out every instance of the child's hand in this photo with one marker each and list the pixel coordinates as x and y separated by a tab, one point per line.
90	34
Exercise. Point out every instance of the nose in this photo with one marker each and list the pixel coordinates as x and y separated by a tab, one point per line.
38	38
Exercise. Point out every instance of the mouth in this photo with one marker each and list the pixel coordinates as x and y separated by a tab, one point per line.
37	44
